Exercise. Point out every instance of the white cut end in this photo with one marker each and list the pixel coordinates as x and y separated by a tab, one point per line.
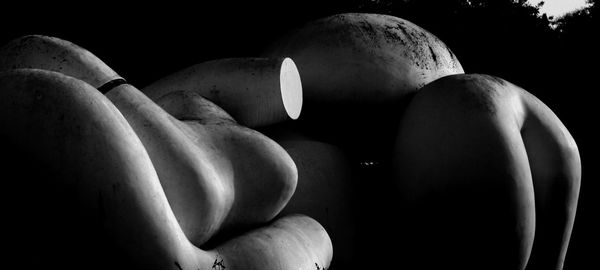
291	88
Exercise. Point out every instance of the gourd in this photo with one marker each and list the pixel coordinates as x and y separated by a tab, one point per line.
50	53
217	175
255	91
144	223
488	175
358	69
326	191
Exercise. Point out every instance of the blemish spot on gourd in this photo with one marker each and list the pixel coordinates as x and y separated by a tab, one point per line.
218	264
403	29
392	36
369	31
433	54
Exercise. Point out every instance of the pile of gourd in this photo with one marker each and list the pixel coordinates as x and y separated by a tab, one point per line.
354	141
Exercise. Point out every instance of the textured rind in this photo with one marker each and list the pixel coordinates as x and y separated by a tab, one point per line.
367	57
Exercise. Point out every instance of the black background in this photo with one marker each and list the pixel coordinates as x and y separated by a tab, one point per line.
145	43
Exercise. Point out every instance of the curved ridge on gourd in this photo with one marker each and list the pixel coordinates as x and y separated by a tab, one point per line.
51	53
205	179
495	166
371	58
75	130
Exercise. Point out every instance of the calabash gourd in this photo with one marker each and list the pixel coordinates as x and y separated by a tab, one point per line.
488	175
358	69
153	217
255	91
325	192
216	177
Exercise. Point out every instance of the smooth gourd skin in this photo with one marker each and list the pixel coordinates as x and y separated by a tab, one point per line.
252	90
220	175
291	242
216	177
358	69
352	200
85	150
100	162
326	192
489	177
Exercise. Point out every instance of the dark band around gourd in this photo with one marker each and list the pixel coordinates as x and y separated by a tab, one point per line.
111	84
